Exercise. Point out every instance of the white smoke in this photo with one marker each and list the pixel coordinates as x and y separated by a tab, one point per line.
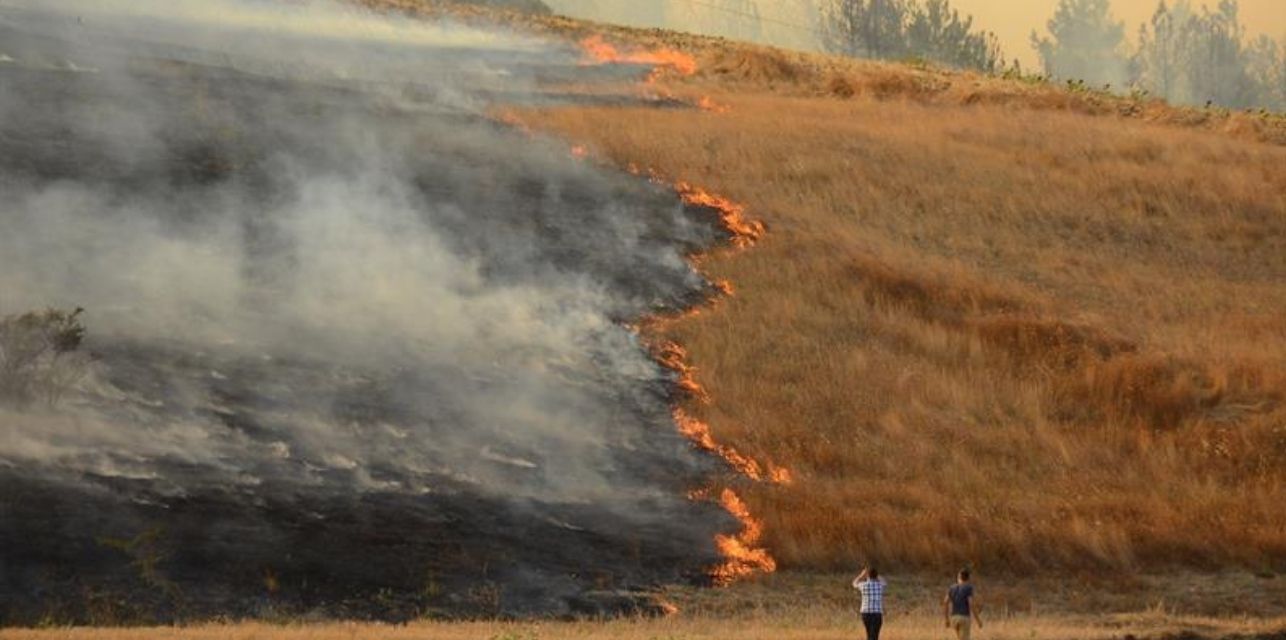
335	225
791	24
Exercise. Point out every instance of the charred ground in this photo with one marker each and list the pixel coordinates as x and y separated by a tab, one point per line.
270	426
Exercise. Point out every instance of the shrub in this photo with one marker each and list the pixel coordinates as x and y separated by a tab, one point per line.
40	357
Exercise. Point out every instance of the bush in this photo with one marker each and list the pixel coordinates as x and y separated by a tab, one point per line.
40	356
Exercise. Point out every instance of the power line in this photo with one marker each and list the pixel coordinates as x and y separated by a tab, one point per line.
744	14
751	16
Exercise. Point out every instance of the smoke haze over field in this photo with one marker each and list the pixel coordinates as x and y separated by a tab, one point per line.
1011	20
785	23
350	334
1014	20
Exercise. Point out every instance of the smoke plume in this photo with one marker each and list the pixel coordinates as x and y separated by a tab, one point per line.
357	348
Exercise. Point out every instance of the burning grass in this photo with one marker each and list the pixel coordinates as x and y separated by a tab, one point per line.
712	64
1019	338
600	51
742	555
997	320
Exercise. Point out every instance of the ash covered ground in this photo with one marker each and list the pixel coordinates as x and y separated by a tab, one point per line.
359	351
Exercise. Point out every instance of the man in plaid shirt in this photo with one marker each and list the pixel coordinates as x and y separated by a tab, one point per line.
871	585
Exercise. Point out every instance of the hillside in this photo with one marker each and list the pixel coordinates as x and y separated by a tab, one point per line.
991	321
1011	338
317	322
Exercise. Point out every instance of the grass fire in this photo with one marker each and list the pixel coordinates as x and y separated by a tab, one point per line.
468	319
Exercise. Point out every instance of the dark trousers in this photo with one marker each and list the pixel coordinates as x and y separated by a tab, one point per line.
872	622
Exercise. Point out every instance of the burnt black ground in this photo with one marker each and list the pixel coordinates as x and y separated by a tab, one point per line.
309	464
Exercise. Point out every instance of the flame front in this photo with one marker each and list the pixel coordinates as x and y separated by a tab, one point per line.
744	232
600	51
706	103
742	558
674	357
514	121
699	433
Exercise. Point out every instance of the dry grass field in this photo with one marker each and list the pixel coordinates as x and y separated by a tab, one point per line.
804	606
1002	333
989	334
804	625
990	322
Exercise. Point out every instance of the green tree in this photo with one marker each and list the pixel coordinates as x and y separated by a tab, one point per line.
1161	57
1084	43
1196	58
896	29
937	32
866	28
1266	69
1216	69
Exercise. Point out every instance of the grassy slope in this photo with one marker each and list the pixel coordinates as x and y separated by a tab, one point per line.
984	326
808	624
1014	335
803	606
808	607
993	321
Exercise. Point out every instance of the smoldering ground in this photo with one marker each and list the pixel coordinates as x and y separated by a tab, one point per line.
358	350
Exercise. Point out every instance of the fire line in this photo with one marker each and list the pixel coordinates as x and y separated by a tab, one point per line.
742	555
600	51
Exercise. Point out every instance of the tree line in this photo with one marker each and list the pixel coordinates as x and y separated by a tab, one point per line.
1184	55
908	29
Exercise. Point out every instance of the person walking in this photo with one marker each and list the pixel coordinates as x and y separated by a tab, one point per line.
871	585
960	606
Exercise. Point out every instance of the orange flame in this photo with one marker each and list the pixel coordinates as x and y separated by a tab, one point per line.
779	475
512	119
742	558
699	433
744	232
706	103
599	51
674	357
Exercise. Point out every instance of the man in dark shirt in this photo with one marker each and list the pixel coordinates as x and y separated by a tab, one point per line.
960	604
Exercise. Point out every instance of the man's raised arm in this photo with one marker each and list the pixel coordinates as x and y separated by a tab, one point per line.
861	577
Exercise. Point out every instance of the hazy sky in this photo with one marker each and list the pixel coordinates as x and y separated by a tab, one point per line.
1013	20
786	20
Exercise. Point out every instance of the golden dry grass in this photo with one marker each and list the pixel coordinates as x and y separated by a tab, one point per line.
1020	338
995	321
799	606
808	624
733	66
992	322
988	325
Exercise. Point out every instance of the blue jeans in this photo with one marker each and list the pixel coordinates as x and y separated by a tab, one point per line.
872	622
